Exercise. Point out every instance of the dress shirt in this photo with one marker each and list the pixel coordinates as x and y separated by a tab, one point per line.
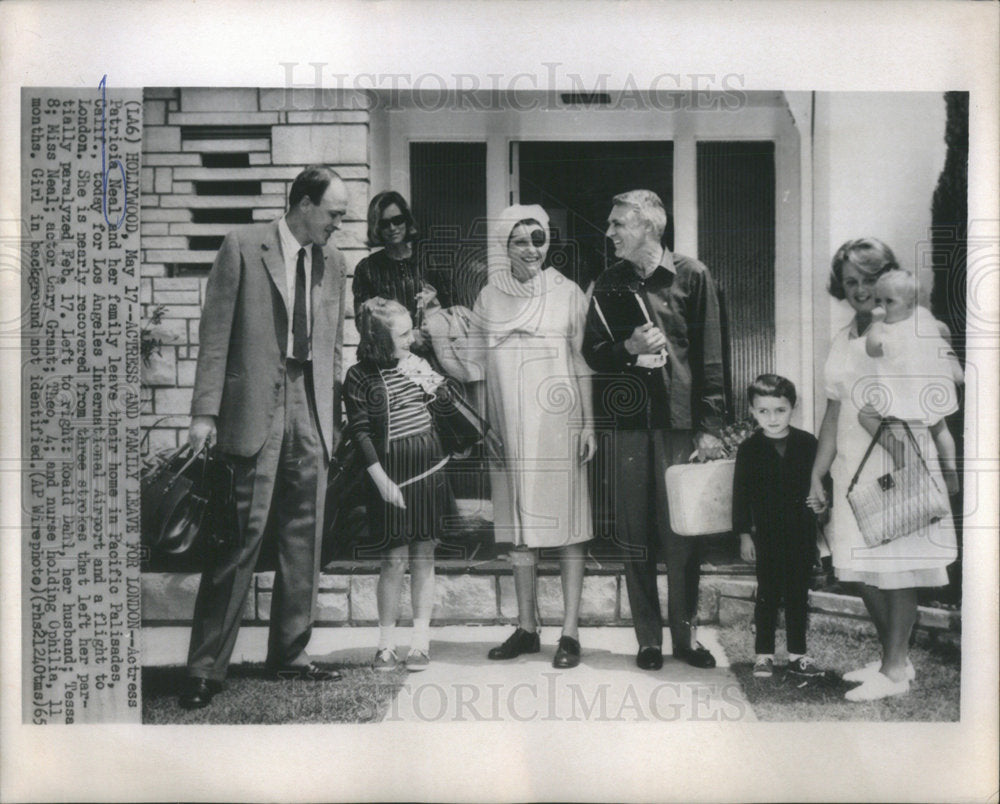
290	255
686	393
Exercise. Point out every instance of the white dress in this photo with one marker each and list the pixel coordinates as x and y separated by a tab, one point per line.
918	559
915	380
530	335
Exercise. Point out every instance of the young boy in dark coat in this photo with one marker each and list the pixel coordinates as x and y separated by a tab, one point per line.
776	528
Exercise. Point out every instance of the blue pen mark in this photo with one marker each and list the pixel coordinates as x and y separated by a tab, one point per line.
104	167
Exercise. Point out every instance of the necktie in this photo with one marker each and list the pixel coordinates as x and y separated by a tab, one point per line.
300	323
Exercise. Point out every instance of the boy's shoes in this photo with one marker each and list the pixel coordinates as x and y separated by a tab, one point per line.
696	656
568	654
385	660
519	642
876	688
872	669
417	660
763	667
805	667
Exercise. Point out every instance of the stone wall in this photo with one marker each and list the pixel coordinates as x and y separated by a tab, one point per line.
465	596
461	597
211	157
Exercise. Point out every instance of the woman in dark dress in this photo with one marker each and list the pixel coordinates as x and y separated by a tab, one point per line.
394	271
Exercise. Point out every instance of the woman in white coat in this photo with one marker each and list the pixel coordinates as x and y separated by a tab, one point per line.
528	324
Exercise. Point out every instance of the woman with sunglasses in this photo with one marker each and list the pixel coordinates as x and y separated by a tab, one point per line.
394	271
527	330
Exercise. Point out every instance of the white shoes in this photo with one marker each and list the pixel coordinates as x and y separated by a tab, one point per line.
871	670
878	687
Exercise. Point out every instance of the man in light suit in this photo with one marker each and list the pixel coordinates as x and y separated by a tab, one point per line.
267	392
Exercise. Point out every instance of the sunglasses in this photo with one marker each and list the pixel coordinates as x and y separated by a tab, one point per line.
395	220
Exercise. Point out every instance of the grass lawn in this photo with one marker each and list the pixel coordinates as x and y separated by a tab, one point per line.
361	696
840	647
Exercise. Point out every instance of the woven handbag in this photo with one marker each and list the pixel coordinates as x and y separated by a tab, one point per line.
899	502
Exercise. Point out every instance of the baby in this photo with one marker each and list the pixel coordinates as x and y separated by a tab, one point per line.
917	369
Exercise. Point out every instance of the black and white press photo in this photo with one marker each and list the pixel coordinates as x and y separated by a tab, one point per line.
497	420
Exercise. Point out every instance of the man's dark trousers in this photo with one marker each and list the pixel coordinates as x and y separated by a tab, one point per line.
643	528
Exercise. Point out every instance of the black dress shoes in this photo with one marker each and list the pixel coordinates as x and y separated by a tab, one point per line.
519	642
649	658
568	653
303	672
698	656
198	692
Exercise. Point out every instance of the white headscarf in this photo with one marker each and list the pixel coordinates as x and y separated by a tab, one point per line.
500	269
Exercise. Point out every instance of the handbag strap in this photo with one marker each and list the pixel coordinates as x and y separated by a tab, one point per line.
459	400
194	456
884	424
145	436
175	454
163	464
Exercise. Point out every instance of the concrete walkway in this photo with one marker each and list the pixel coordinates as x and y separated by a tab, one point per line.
462	685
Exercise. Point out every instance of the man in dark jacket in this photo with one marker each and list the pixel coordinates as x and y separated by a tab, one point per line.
653	335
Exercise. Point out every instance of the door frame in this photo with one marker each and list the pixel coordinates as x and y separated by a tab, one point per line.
767	116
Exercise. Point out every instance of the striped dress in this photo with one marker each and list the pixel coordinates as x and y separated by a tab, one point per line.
411	455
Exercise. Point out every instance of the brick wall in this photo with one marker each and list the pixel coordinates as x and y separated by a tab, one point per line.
212	159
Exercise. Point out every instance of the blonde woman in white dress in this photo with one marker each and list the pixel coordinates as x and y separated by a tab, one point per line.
889	574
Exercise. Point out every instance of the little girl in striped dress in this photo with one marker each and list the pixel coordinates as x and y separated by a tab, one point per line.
387	393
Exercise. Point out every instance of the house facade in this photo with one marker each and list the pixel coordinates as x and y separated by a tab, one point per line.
762	186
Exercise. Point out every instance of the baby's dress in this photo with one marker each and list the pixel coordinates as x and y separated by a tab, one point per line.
913	379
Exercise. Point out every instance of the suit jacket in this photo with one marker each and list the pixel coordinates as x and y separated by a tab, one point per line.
243	338
770	490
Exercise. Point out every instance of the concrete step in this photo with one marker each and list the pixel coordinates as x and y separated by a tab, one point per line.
484	595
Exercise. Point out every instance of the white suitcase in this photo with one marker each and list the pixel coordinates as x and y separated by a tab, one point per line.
700	497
